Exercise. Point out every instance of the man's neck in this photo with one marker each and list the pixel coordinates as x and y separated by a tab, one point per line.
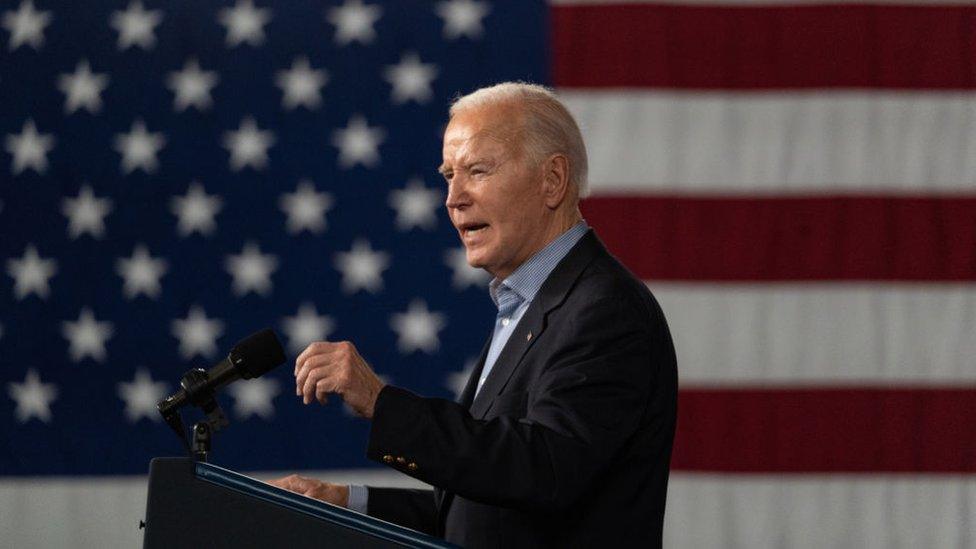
559	226
551	236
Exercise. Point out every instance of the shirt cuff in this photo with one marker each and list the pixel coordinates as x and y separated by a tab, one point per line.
358	498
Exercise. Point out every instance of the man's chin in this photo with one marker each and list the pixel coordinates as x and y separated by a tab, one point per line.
474	259
474	263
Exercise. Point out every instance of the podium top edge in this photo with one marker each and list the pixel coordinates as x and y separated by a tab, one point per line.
313	507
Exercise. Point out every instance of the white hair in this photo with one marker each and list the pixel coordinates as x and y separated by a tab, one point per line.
548	127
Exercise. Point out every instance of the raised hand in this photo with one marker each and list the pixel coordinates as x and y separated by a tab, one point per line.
325	367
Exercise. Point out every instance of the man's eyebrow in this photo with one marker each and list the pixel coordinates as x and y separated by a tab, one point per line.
443	169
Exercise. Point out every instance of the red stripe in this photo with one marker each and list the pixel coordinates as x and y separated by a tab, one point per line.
783	239
826	430
723	47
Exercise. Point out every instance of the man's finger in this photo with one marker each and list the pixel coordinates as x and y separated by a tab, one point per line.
301	484
285	483
313	348
315	376
311	364
304	370
322	390
300	360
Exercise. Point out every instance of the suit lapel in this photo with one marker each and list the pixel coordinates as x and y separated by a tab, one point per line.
533	324
529	329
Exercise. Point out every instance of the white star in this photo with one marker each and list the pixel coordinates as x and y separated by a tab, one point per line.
136	26
254	396
358	143
417	328
415	205
456	381
139	148
197	333
29	148
31	273
306	208
301	85
244	23
87	336
33	397
86	213
251	270
26	26
141	396
464	274
141	273
83	89
248	146
305	327
462	18
191	86
411	79
354	21
196	210
361	267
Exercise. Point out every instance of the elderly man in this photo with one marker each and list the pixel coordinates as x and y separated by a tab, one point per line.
563	434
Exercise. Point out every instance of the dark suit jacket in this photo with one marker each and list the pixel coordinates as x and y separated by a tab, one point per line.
567	444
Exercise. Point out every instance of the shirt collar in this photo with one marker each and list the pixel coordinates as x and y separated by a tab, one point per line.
529	276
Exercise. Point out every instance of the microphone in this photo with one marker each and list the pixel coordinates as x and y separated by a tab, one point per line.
252	357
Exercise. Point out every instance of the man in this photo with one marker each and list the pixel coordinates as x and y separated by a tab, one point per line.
563	434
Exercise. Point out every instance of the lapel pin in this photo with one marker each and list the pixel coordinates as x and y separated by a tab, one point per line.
528	337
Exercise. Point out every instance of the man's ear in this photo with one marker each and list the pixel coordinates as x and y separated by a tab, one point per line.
556	180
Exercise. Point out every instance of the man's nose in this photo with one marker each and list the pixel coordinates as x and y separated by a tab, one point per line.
457	194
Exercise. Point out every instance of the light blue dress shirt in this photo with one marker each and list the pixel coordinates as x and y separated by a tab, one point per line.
512	296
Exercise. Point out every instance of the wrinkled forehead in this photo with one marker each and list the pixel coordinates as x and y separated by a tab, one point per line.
487	130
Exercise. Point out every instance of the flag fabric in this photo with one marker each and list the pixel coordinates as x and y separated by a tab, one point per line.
796	184
178	175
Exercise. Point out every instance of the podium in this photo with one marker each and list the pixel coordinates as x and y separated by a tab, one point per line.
195	504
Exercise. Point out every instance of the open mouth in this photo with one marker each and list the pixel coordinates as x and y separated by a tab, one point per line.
472	229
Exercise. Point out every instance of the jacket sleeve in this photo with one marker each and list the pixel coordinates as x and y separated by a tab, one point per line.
583	407
409	508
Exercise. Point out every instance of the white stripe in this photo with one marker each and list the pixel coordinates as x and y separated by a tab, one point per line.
765	2
747	511
837	142
105	512
824	333
817	511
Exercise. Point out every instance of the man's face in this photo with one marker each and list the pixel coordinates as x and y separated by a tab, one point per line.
495	195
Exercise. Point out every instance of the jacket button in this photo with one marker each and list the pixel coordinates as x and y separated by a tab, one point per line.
401	460
412	466
387	458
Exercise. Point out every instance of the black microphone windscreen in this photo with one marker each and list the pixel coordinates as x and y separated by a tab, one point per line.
258	353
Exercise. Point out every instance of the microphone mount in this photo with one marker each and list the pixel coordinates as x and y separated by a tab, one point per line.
200	392
252	357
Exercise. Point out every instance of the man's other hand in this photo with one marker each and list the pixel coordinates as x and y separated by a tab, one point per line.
325	367
336	494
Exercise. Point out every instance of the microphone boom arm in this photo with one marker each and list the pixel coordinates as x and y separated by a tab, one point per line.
252	357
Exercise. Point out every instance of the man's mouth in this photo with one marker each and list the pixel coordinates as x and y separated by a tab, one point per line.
472	229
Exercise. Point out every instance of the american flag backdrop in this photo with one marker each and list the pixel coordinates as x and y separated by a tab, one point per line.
796	183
